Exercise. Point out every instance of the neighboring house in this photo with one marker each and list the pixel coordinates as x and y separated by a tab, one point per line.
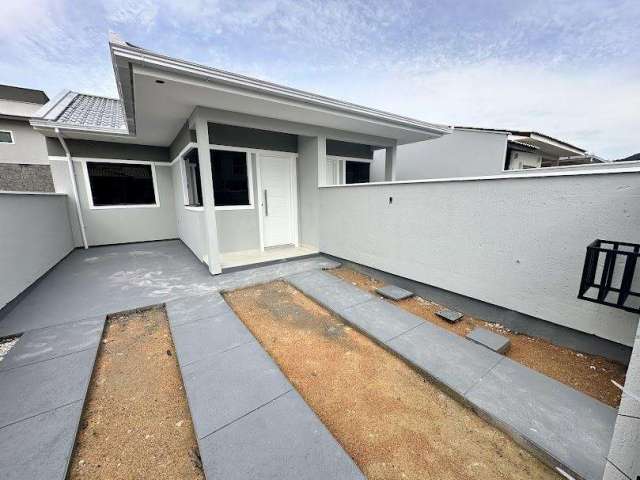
470	151
23	156
631	158
229	164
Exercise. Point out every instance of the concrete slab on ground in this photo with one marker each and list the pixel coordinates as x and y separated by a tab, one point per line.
444	356
283	439
394	292
190	309
380	319
329	290
25	455
571	427
40	387
50	342
489	339
208	336
450	316
221	388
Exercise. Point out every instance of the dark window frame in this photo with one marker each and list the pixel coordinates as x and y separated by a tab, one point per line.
219	193
93	189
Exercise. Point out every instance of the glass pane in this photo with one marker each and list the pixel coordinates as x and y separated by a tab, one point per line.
230	178
357	172
5	137
194	185
121	184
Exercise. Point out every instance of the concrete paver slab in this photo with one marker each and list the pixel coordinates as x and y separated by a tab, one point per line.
43	386
451	360
222	388
486	338
40	446
394	292
380	319
450	316
330	291
208	336
189	309
571	427
282	440
50	342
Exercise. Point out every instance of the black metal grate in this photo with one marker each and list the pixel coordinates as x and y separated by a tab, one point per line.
609	275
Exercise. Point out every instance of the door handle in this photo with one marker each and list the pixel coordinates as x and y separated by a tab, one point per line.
266	204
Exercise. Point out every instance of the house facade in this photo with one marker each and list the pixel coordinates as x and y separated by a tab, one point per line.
229	164
24	165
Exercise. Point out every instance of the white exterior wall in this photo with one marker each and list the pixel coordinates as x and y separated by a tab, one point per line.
463	153
514	242
190	221
105	226
35	235
28	147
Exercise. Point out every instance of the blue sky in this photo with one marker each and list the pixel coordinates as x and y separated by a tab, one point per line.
570	69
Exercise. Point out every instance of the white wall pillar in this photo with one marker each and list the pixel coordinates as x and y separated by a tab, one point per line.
206	179
321	145
624	453
390	163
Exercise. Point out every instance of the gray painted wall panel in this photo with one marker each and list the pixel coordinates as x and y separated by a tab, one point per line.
184	137
348	149
35	235
459	154
252	138
111	150
29	146
517	243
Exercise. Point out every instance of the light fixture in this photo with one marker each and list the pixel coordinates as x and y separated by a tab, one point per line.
160	82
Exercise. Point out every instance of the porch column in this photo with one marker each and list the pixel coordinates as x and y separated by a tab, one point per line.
390	163
624	451
322	160
208	203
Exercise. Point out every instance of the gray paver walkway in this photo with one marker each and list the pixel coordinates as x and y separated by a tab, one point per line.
44	378
562	426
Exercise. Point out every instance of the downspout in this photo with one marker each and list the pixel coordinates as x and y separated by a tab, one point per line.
74	186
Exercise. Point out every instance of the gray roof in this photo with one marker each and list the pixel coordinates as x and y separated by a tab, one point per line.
20	94
92	111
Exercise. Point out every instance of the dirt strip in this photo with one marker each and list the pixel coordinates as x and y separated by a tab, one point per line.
586	373
394	423
136	421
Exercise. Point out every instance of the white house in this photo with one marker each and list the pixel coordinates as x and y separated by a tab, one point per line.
229	164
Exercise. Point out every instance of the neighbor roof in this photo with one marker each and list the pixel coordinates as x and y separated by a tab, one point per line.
521	133
20	94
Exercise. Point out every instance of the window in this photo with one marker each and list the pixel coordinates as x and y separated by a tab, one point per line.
230	172
192	173
6	136
121	184
357	172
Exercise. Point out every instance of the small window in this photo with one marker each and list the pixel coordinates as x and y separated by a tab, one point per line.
118	184
194	185
357	172
6	136
230	178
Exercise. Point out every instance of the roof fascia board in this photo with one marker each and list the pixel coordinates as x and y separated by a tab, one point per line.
135	55
479	130
41	125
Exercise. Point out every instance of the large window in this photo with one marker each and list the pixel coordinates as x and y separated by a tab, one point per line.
231	185
357	172
121	184
6	136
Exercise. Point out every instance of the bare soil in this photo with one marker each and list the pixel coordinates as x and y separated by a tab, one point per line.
136	421
586	373
393	422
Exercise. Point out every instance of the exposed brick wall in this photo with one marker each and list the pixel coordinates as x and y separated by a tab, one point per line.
29	178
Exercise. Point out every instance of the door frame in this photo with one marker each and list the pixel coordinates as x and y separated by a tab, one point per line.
293	161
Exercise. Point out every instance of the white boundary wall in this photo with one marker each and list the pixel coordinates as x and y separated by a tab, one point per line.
517	241
35	234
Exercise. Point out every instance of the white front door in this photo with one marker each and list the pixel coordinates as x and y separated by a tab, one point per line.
277	198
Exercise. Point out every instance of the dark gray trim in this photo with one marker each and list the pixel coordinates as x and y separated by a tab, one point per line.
121	151
183	138
20	94
349	149
252	138
516	321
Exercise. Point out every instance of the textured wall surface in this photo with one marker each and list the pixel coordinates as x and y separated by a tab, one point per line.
35	235
518	243
25	178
